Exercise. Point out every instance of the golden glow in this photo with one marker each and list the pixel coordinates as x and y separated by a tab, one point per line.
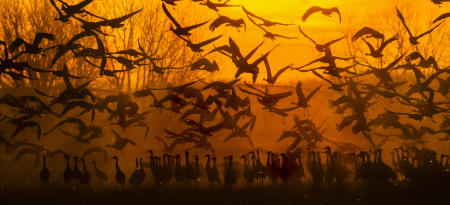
355	15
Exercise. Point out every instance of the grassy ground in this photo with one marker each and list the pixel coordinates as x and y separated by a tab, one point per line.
281	194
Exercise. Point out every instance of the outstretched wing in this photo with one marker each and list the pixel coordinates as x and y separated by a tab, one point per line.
26	151
218	22
311	94
118	136
204	43
367	31
196	26
306	36
310	11
443	16
77	121
170	16
402	19
249	92
24	125
334	41
429	31
336	10
56	152
94	150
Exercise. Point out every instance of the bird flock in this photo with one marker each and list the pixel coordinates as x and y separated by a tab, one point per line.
411	166
228	108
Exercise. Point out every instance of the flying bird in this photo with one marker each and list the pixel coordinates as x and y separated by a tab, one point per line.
441	17
197	47
32	48
324	11
320	47
206	65
439	2
425	63
178	30
302	99
171	2
95	150
227	21
215	6
413	39
269	34
369	32
265	22
378	53
271	79
120	142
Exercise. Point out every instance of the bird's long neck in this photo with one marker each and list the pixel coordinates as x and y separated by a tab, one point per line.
177	161
44	161
208	161
319	160
398	155
67	163
380	160
253	161
393	158
328	160
75	166
313	157
140	163
403	154
446	161
407	156
117	164
214	162
187	158
84	165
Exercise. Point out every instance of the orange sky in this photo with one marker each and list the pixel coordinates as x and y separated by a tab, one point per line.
355	15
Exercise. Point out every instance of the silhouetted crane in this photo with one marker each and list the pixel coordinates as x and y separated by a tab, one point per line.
227	21
76	173
378	53
31	48
320	47
44	175
324	11
85	176
180	173
369	32
302	100
101	176
197	47
134	178
265	22
215	6
272	78
441	17
120	142
120	176
171	2
178	30
413	39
